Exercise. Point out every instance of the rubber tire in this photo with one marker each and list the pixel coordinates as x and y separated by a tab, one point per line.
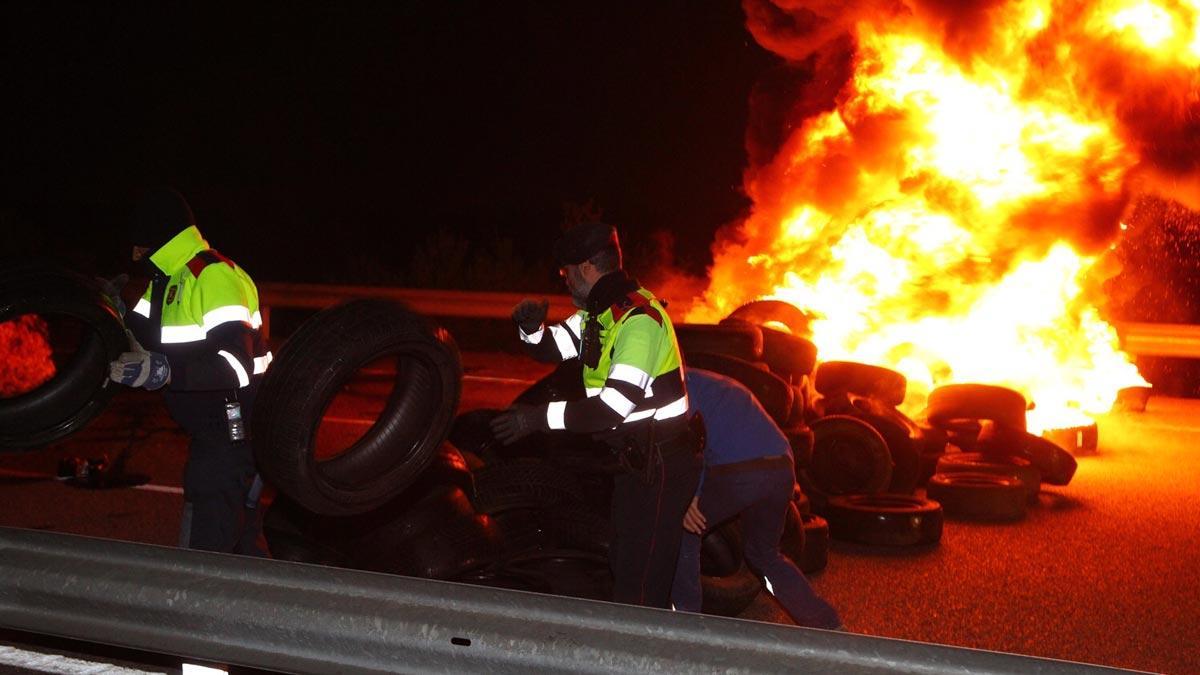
978	495
849	456
800	438
741	341
899	433
931	445
792	541
315	362
450	550
1004	465
729	586
816	543
883	384
1056	465
288	532
578	526
81	389
788	356
379	540
523	484
885	520
976	402
449	467
777	312
472	432
564	383
772	392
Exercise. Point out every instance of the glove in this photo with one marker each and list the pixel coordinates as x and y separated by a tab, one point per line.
530	314
140	368
517	422
111	288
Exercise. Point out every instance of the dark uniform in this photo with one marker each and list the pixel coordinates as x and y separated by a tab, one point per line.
201	313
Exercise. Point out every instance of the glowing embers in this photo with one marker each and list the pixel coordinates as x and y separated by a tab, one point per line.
26	356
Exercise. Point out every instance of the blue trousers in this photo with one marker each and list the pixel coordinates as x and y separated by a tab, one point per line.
760	498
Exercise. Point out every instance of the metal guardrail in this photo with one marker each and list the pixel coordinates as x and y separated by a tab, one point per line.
309	619
1141	339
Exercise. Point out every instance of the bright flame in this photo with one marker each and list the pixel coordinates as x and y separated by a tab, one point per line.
933	218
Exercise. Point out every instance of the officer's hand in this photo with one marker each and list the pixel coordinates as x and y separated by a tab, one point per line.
517	422
140	369
111	288
530	314
693	520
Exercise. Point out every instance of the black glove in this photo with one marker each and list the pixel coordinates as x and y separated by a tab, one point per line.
530	314
519	421
111	288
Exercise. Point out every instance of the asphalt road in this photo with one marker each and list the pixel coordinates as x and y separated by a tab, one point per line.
1101	571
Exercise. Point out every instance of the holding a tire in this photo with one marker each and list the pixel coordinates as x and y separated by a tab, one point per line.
195	335
423	373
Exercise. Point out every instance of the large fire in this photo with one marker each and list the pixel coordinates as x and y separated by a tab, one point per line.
947	210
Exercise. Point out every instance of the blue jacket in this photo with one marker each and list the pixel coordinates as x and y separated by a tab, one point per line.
737	426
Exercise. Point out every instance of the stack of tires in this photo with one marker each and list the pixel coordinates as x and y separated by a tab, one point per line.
999	467
859	460
552	495
86	333
397	498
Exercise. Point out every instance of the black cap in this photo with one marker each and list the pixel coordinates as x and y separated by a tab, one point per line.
581	242
160	214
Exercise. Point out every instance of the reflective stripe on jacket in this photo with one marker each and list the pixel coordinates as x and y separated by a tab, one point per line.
639	375
208	316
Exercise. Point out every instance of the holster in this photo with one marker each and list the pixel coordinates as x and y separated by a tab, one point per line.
640	451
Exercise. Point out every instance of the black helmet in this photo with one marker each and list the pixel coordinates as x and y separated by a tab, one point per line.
581	242
160	214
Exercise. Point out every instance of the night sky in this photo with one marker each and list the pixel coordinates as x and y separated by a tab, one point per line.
308	135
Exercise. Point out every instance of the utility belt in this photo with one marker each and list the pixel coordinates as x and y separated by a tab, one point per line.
641	448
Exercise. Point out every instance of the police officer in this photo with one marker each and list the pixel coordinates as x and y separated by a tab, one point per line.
636	402
748	473
195	335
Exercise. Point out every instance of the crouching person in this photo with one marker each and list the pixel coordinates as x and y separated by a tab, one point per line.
748	473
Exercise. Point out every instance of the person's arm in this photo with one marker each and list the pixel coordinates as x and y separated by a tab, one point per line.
554	343
629	375
224	359
624	389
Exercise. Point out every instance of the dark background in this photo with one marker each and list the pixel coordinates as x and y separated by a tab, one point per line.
359	141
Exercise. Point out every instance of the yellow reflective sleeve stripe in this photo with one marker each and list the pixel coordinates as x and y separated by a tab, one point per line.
243	378
556	415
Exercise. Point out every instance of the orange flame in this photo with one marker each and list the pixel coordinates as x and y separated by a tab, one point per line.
947	212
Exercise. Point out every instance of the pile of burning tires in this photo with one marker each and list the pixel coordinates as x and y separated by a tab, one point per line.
427	492
877	476
430	493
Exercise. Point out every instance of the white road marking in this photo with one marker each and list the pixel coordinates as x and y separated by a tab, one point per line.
18	473
57	663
